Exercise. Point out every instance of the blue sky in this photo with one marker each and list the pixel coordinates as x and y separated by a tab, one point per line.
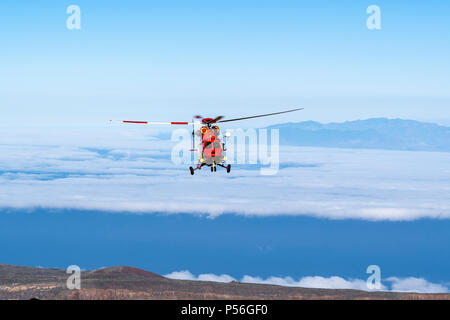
171	59
84	192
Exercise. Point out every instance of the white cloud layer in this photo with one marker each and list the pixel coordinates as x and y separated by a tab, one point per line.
394	284
411	285
124	169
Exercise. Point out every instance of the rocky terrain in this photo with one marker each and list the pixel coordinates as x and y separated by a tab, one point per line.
131	283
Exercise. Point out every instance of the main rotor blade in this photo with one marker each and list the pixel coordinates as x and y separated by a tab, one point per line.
154	122
261	115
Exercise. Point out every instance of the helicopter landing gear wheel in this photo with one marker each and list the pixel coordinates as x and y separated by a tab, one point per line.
228	168
191	170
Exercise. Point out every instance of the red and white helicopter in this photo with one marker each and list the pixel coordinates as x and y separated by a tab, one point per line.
211	149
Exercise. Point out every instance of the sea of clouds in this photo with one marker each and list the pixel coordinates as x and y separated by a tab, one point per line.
395	284
128	169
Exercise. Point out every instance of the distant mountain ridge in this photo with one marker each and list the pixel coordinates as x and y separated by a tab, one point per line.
128	283
375	133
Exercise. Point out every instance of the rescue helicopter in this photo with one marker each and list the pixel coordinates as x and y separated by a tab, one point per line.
211	149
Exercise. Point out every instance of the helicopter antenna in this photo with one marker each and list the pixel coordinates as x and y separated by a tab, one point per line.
197	117
193	135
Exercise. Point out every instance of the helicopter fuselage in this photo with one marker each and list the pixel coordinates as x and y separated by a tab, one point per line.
211	148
